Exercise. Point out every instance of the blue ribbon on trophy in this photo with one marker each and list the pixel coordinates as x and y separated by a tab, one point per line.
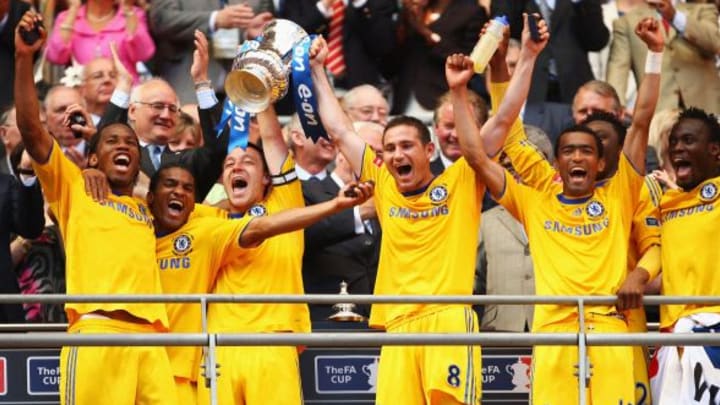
234	116
304	92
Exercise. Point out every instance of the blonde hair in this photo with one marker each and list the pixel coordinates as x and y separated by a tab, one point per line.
659	132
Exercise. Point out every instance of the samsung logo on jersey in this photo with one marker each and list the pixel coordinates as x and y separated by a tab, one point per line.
129	212
174	263
577	230
687	212
402	212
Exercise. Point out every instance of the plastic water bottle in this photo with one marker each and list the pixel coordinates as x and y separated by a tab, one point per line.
488	43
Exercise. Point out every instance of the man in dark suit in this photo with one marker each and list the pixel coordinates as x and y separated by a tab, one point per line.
343	247
10	13
368	34
576	27
21	213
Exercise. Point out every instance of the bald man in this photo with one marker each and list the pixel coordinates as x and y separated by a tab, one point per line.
366	103
99	80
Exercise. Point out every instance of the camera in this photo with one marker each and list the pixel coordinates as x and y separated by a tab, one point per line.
79	119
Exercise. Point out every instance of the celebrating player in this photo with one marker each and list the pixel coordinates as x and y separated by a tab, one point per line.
690	218
579	236
95	263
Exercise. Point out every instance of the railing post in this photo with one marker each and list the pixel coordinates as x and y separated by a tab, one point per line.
582	355
210	371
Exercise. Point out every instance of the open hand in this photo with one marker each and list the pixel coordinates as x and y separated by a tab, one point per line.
96	184
201	58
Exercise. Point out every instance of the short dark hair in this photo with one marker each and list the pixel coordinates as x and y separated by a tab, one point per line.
710	120
95	139
406	120
155	179
611	119
583	129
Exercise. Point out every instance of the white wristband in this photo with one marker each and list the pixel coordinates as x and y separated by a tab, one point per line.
653	62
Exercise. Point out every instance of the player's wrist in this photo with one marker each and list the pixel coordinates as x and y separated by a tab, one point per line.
653	62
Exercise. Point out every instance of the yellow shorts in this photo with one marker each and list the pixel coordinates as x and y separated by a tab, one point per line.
554	379
120	375
186	391
255	375
431	374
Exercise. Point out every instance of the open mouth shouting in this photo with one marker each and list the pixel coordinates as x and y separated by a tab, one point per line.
121	161
175	207
683	168
239	184
577	174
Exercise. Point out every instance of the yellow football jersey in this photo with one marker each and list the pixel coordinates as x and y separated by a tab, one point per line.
645	233
189	260
579	246
690	255
110	246
537	172
275	267
429	238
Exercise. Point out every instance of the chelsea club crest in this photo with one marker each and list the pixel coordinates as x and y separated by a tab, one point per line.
708	192
594	209
438	194
257	210
182	244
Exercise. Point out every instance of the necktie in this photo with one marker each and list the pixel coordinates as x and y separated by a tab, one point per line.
155	155
335	61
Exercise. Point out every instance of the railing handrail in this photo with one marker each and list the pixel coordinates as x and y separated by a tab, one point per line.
355	339
355	299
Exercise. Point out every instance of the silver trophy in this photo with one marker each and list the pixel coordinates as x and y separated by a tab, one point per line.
345	312
260	75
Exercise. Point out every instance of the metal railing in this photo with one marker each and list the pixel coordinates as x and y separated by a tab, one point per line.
209	341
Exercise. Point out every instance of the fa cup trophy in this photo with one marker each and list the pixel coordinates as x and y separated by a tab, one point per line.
345	311
260	72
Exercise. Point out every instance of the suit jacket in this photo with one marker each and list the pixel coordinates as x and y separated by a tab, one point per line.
21	212
334	252
173	23
205	163
7	51
552	118
575	29
420	67
368	35
505	268
688	69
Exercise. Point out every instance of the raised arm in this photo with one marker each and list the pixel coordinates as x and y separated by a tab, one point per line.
295	219
37	140
336	122
274	146
635	146
497	128
459	71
